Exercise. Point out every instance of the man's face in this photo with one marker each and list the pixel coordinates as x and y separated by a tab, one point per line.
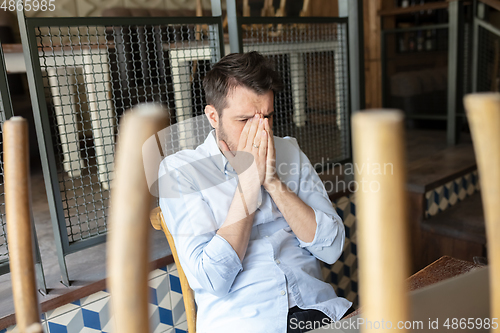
242	104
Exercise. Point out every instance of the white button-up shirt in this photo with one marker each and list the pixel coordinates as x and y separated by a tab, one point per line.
278	270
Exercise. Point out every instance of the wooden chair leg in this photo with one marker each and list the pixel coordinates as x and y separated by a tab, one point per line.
19	227
483	112
128	239
378	141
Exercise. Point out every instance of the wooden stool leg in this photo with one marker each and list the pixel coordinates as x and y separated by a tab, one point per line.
483	112
128	240
19	229
378	148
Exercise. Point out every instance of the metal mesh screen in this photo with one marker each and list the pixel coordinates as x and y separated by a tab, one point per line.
314	105
415	71
4	251
488	60
91	74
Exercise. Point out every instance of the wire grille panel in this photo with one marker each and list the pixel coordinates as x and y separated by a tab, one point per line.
313	107
488	60
91	74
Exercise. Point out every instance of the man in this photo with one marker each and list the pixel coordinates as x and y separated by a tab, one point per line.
251	216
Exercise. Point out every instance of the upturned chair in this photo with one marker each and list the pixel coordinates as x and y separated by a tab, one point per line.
158	222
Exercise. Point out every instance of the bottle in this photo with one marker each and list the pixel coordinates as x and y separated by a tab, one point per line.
420	41
411	43
428	40
401	43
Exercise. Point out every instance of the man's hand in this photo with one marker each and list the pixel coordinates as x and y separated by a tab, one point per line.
249	161
271	174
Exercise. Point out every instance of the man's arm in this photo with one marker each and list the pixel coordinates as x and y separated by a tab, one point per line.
300	217
309	214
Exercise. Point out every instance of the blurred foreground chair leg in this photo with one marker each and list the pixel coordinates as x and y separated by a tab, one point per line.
19	227
483	113
128	240
378	141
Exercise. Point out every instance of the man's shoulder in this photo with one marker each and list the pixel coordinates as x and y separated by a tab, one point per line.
183	157
287	147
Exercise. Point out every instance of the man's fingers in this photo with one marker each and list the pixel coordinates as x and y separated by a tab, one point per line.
253	131
244	135
270	139
270	146
263	143
258	135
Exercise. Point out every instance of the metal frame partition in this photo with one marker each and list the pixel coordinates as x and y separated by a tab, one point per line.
486	48
83	73
456	49
321	61
6	112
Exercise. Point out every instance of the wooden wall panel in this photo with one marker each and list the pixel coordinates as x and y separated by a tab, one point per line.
373	65
324	7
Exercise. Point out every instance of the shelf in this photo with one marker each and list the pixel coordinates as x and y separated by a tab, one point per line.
412	9
492	3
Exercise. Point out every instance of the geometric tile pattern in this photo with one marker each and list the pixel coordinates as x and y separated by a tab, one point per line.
343	274
92	314
449	194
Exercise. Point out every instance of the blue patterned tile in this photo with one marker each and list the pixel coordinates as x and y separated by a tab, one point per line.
444	197
175	284
57	328
91	319
152	296
166	316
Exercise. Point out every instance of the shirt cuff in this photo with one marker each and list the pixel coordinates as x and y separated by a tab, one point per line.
326	231
223	260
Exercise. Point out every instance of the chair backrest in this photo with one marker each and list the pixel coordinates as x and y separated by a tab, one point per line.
158	223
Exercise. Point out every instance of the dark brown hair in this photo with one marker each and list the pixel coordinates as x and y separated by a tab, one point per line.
251	70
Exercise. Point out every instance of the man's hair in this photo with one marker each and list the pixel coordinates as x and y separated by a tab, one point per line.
251	70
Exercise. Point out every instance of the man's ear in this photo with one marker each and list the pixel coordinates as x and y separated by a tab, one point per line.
212	115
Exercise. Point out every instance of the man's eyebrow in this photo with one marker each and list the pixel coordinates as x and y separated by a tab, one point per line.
244	116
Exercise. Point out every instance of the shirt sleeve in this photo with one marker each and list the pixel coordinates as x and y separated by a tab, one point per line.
328	242
204	255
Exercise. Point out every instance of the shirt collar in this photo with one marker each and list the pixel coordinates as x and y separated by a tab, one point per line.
213	150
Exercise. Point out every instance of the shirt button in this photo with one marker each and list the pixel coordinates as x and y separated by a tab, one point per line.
283	293
277	261
266	236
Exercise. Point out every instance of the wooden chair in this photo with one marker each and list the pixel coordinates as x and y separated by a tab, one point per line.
483	113
19	227
158	223
128	237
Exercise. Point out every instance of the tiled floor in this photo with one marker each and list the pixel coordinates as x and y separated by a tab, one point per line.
92	314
